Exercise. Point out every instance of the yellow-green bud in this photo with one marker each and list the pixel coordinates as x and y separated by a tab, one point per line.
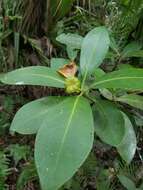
72	85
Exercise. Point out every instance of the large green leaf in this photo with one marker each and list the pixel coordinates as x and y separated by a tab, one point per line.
34	75
31	116
128	145
132	99
108	122
125	78
94	48
64	142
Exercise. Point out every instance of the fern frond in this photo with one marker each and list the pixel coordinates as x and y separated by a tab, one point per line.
4	171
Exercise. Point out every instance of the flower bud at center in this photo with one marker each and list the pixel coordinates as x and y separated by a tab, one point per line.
72	85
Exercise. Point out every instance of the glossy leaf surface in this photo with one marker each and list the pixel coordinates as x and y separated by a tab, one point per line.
31	116
125	79
108	122
128	145
64	142
94	49
34	75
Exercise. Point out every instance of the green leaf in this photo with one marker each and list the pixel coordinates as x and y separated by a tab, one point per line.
31	116
130	49
34	75
108	122
126	182
64	142
94	49
137	54
124	66
107	94
133	100
73	41
125	79
59	8
57	63
98	73
128	145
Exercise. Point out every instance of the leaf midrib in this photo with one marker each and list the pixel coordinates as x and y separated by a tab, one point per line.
113	79
50	77
67	127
